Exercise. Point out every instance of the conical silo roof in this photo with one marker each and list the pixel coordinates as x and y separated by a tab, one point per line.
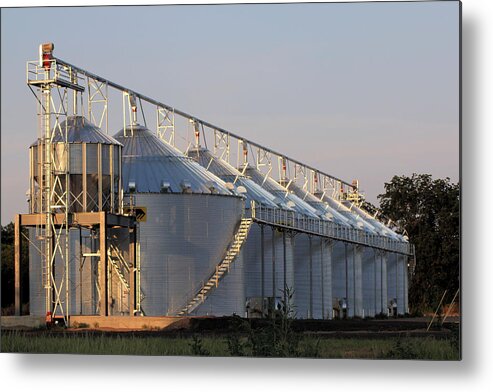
282	193
355	220
379	226
81	130
318	204
228	173
152	165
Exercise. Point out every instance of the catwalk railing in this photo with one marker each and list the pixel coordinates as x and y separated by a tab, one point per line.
299	222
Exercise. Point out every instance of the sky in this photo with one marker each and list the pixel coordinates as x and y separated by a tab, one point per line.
361	91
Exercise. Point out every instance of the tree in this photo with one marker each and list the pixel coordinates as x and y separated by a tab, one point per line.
429	210
7	267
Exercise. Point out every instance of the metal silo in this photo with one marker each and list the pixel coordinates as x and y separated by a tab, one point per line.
308	251
330	251
94	167
93	186
373	274
397	284
191	219
347	264
267	254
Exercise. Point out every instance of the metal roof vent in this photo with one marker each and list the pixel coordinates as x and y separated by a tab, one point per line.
230	186
212	186
291	204
165	187
186	186
241	190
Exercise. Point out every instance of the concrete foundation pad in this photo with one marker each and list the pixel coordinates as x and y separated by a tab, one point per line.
129	323
22	322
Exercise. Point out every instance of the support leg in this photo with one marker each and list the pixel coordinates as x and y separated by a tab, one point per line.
103	266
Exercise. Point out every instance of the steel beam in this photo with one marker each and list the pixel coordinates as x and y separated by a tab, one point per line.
103	266
84	219
133	267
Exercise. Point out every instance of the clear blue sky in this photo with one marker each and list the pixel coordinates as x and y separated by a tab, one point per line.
362	91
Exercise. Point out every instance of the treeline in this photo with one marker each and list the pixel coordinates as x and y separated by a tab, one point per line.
429	210
7	269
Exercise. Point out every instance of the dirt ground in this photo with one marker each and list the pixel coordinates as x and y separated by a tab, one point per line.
351	328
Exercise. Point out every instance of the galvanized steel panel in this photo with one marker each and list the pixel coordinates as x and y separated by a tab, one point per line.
282	193
75	158
149	162
379	227
36	290
83	277
278	273
370	270
182	241
229	297
352	219
229	174
81	130
92	159
313	283
323	208
392	280
347	277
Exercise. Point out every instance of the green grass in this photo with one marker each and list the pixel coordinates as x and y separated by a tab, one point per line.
389	348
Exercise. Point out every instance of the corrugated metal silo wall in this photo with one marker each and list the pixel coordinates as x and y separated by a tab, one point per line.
339	252
384	257
82	275
379	270
313	285
229	296
371	282
184	238
397	281
406	285
84	272
36	290
347	282
402	294
358	280
278	274
252	258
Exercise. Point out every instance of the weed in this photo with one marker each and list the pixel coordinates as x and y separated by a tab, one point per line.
311	348
236	346
277	339
403	349
197	347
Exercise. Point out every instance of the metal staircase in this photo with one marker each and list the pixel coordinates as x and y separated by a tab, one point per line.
118	263
221	269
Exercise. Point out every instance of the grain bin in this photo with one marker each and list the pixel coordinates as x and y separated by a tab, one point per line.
267	253
93	185
191	219
373	275
310	280
313	272
348	261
